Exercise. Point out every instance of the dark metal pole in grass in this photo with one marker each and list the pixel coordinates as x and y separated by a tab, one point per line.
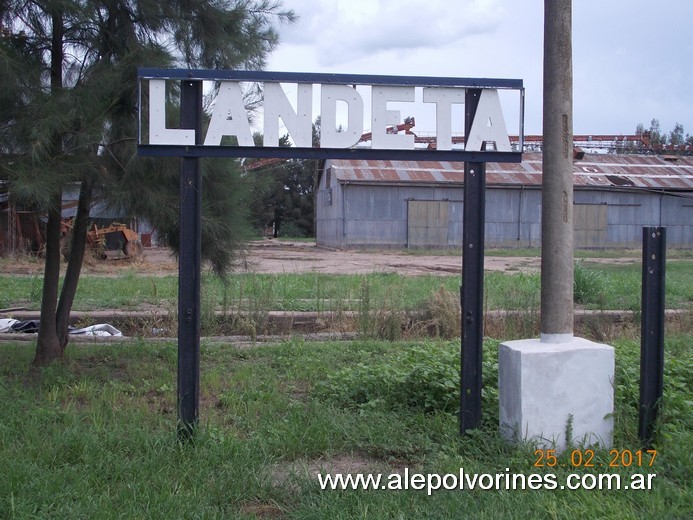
652	330
189	267
472	294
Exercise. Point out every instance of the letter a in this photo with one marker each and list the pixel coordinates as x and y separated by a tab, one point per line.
229	117
488	124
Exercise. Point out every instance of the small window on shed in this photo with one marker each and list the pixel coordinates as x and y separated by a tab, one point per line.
328	178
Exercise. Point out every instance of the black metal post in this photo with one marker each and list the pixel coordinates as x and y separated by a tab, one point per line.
472	293
189	267
652	330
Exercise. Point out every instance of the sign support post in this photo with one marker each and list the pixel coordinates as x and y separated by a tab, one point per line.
472	293
189	266
652	331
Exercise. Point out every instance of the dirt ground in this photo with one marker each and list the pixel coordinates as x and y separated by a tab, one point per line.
280	256
272	256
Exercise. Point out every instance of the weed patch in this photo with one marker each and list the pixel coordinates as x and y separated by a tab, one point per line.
424	377
589	285
440	315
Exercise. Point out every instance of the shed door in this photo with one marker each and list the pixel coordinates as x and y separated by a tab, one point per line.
427	223
589	224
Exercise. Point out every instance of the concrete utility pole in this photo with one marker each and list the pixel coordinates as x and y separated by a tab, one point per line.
557	390
557	183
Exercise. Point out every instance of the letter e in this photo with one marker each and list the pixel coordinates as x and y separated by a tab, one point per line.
382	118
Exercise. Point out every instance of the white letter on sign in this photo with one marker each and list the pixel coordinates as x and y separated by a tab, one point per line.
382	118
444	98
299	124
329	137
158	133
488	124
229	117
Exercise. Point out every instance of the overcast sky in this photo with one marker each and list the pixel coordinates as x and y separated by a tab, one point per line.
632	60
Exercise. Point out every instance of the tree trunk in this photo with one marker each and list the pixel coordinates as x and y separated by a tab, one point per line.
48	348
74	264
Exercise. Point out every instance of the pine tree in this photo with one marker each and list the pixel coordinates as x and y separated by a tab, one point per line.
283	193
68	78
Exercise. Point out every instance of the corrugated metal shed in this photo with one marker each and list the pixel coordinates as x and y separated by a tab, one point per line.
655	172
420	203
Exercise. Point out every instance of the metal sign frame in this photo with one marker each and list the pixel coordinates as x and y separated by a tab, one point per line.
191	109
199	150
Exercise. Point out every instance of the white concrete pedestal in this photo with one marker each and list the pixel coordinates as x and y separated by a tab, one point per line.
548	389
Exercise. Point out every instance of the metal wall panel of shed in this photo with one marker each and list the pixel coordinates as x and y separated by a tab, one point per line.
627	214
677	211
328	233
382	233
679	237
373	203
502	206
627	236
641	213
427	193
453	194
531	205
455	218
456	211
531	235
503	234
329	222
677	216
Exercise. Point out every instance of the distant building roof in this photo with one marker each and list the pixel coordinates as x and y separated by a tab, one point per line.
594	170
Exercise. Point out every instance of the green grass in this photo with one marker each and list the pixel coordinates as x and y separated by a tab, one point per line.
617	287
591	253
536	252
95	437
623	283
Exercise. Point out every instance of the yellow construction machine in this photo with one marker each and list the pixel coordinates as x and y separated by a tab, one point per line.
111	242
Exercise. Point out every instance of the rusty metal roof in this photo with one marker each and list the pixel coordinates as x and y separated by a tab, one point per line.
595	170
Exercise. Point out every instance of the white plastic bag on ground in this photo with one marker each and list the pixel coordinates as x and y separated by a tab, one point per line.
101	329
6	324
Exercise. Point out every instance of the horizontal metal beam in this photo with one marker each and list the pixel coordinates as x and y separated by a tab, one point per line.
325	78
152	150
